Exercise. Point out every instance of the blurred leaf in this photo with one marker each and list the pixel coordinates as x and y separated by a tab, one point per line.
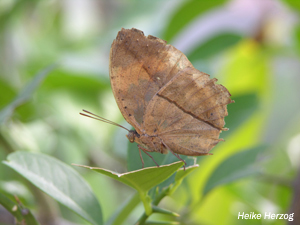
239	111
233	168
9	93
15	9
186	13
25	94
134	161
297	33
21	214
59	181
27	112
84	88
78	82
214	46
15	188
246	69
295	4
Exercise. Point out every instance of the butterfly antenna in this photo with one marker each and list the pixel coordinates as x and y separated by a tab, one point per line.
96	117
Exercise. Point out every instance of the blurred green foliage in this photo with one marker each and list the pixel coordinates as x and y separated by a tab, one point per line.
258	64
188	11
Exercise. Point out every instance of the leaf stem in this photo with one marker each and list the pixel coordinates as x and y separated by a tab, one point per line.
147	202
155	202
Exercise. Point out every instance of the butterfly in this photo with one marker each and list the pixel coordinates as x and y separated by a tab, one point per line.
171	105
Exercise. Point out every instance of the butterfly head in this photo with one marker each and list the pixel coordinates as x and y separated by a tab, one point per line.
132	134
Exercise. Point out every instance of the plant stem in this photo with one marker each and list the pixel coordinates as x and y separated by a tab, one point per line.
21	214
147	203
155	202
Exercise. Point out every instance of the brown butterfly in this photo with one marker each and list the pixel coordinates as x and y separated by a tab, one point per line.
172	106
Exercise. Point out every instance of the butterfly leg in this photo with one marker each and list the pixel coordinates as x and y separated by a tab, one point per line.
141	157
178	157
176	154
145	151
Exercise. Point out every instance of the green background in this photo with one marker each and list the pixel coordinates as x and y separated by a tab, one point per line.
259	64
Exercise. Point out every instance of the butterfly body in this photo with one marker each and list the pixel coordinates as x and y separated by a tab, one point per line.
148	143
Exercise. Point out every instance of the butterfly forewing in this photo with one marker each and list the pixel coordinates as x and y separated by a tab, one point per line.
164	97
139	67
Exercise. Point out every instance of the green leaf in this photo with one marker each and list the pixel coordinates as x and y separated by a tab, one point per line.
144	179
235	167
186	13
214	46
25	94
58	180
134	163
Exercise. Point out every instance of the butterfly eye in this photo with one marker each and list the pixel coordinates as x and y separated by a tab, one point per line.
130	136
